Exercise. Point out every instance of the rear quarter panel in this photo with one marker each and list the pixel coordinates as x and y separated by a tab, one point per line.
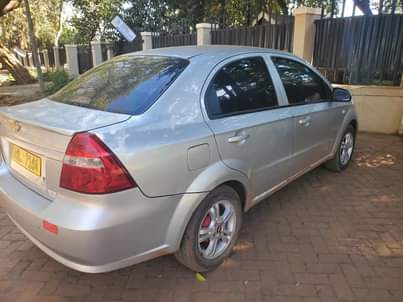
154	146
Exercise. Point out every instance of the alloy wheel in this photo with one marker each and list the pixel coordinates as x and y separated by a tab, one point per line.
217	229
346	148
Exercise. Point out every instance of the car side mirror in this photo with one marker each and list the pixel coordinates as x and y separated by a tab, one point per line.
341	95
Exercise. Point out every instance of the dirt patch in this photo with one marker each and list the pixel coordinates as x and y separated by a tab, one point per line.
10	100
18	94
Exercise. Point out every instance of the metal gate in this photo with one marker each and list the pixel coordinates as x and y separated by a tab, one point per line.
268	35
84	58
361	49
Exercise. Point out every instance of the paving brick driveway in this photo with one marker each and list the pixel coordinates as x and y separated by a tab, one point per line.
326	237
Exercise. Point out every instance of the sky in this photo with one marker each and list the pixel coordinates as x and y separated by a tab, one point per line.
348	11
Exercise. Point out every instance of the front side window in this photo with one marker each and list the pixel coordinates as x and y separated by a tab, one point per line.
301	84
239	87
127	84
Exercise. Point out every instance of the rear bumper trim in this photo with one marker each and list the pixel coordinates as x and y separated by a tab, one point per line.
96	235
156	252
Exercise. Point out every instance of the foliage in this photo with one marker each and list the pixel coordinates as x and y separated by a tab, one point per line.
7	6
70	35
389	5
7	60
58	79
45	14
147	15
13	29
183	15
244	12
94	18
91	19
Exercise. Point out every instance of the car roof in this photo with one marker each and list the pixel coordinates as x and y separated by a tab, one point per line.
217	52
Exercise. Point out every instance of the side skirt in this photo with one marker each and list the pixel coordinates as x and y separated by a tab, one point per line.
282	184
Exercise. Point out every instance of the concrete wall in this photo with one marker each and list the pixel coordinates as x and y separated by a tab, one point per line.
379	108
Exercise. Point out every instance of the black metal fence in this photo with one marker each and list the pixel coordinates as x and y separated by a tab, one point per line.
51	56
166	40
121	47
84	58
62	54
268	35
361	49
104	49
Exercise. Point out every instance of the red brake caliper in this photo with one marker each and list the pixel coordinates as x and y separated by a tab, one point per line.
206	221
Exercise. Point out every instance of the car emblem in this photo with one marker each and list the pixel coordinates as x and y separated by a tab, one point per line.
15	126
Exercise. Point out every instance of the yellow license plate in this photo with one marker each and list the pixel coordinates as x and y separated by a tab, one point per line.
27	160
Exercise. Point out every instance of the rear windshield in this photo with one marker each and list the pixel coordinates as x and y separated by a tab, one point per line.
128	84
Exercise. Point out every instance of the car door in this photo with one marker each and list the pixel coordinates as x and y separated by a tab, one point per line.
316	118
252	129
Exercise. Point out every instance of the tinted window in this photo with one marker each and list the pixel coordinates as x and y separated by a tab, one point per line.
128	84
301	84
241	86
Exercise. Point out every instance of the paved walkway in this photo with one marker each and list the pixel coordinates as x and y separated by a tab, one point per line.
326	237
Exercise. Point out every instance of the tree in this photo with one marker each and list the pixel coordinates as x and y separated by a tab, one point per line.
47	23
14	66
363	5
60	23
93	18
46	19
187	13
148	15
8	5
35	54
7	59
230	12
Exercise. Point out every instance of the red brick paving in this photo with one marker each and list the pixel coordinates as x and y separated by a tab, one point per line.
326	237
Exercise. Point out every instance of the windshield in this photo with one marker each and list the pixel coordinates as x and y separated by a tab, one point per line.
127	84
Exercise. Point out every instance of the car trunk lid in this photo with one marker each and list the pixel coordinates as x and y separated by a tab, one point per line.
34	137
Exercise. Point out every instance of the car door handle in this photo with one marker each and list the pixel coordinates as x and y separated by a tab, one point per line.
306	121
238	138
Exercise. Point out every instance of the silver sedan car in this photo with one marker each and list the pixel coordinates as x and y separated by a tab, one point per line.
161	151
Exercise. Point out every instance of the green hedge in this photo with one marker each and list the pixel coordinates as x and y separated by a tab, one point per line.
58	79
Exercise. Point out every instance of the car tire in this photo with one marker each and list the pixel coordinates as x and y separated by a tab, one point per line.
200	257
344	152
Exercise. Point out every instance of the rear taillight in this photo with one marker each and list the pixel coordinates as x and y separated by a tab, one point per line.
90	167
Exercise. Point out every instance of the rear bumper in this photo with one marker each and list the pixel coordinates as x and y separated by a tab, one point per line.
97	233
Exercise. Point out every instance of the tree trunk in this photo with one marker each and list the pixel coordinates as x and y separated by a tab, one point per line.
35	55
363	5
14	66
8	5
60	30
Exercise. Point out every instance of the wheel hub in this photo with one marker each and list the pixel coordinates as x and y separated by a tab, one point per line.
346	148
216	230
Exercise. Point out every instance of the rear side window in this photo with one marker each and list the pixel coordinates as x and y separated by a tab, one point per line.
128	84
301	84
240	87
